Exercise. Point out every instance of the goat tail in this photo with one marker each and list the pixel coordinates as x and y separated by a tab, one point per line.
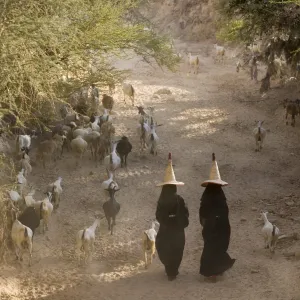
259	134
83	233
25	232
273	231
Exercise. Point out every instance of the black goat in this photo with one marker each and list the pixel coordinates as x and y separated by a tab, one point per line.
111	207
30	218
124	147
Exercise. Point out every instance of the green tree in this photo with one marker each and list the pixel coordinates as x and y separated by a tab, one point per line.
43	40
276	23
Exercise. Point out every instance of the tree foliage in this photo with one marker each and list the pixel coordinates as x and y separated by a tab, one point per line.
44	41
276	23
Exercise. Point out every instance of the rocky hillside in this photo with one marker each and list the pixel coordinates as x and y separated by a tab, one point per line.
189	20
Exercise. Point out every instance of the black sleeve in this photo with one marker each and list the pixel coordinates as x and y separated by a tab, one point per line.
184	215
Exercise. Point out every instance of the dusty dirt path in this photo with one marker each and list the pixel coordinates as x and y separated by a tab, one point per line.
204	114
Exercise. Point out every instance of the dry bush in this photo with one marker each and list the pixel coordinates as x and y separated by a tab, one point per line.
7	175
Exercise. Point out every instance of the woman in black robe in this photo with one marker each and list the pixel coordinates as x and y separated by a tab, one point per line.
213	214
173	216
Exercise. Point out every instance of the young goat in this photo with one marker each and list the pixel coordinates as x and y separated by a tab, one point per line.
56	190
124	147
25	164
111	207
152	139
129	91
85	240
22	239
22	182
259	135
44	209
270	233
143	131
148	243
194	62
220	53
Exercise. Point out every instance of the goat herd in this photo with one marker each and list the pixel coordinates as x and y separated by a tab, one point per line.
77	133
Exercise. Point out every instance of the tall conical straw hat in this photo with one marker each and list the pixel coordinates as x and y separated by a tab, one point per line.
169	175
214	176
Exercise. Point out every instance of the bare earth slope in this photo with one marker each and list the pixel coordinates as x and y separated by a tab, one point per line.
204	114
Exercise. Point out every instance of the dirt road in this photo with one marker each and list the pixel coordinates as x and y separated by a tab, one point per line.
214	111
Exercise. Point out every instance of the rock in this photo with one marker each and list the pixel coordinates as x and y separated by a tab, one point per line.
243	219
296	219
91	173
290	203
254	271
282	214
171	98
155	96
289	254
163	91
254	209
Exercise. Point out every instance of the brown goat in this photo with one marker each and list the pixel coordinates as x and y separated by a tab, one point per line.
50	149
265	83
291	108
107	102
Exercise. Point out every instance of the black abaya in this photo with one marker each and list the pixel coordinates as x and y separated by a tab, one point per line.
213	215
172	214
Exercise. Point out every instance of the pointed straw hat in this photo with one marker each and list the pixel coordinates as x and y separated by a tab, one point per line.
214	176
169	175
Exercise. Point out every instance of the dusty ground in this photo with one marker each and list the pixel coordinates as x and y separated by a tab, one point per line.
213	111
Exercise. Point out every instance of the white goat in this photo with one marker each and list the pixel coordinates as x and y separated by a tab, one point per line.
107	183
270	233
81	132
85	240
94	125
220	52
259	135
152	139
194	62
143	131
22	239
79	147
23	142
148	243
21	181
45	209
56	190
25	164
129	91
112	161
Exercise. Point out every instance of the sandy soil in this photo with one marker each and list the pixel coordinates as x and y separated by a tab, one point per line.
213	111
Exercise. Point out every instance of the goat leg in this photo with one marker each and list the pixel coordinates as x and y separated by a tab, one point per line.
146	262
